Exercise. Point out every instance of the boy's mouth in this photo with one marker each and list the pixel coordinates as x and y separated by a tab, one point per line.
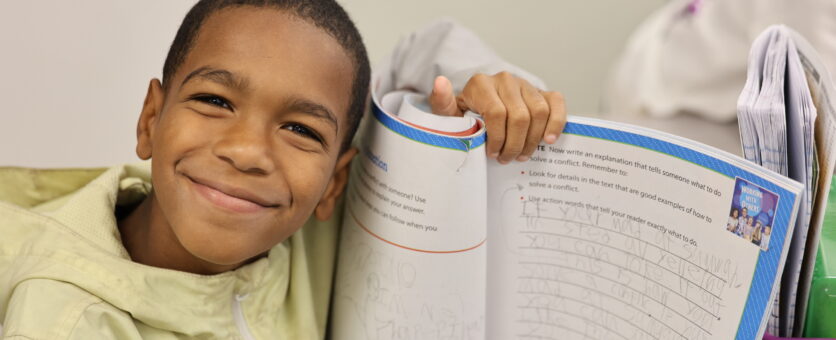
229	197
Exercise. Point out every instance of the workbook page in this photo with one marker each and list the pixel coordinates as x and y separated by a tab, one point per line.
617	232
412	250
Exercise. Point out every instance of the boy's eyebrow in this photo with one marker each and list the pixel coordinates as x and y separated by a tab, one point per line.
221	76
318	110
229	79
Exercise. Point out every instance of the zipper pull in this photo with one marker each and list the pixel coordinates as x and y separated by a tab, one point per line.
238	316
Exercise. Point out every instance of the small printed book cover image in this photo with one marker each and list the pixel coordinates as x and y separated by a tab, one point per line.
752	212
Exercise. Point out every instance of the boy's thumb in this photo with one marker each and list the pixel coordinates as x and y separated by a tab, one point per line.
442	99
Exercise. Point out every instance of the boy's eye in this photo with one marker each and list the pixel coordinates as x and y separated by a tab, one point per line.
303	131
213	100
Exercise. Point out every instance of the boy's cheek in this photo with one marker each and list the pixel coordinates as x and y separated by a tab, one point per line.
182	128
308	176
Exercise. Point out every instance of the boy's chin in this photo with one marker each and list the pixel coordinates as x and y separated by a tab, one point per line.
222	253
222	260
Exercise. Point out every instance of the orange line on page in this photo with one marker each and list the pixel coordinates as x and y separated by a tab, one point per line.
473	129
409	248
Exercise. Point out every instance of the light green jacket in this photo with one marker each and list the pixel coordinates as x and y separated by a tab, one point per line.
64	273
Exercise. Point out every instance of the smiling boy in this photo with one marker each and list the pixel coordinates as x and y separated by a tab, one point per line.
249	132
244	134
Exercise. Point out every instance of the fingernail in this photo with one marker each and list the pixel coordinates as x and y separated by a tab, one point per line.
522	158
551	138
494	155
502	161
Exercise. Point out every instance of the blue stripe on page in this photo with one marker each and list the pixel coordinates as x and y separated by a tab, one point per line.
766	267
411	132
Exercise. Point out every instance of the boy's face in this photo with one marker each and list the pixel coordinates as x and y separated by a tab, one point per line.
246	138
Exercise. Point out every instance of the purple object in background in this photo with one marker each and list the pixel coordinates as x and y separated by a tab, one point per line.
694	6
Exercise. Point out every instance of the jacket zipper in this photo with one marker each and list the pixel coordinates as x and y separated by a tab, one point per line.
238	314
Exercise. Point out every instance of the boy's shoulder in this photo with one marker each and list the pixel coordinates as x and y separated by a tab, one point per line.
28	187
36	239
50	309
40	204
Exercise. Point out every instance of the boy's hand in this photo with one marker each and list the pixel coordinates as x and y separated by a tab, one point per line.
517	115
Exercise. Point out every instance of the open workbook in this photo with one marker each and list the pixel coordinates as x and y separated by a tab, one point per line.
613	232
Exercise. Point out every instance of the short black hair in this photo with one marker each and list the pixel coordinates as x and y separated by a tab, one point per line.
328	15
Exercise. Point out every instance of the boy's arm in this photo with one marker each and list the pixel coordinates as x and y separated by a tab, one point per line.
518	113
449	49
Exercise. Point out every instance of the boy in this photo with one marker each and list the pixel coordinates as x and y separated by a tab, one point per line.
249	133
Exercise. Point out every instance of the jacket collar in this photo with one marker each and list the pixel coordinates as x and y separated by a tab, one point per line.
95	260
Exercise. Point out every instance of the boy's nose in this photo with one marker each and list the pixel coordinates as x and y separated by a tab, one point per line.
246	146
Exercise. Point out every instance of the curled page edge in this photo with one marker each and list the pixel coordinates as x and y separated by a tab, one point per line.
382	85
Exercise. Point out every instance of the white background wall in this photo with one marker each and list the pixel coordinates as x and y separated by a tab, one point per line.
74	73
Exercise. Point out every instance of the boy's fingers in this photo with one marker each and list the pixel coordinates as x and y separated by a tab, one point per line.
539	110
557	116
480	96
442	100
518	117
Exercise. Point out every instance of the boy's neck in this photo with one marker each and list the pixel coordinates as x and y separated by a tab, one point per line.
149	239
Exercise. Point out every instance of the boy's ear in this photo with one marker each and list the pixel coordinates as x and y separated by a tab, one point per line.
335	188
151	109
